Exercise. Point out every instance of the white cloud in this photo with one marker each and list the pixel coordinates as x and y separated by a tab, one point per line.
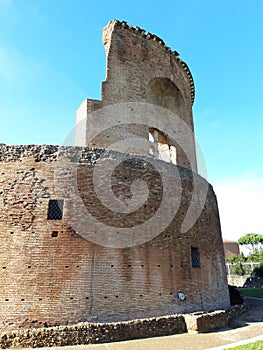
240	203
19	69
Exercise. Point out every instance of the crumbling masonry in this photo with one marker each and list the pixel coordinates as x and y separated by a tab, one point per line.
50	273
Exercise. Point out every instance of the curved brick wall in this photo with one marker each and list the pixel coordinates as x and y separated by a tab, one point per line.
140	70
62	277
127	46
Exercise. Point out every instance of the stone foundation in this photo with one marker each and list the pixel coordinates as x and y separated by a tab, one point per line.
92	333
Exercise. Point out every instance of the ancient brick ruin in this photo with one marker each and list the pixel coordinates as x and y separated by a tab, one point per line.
50	273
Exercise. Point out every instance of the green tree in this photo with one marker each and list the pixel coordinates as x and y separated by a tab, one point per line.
235	259
253	241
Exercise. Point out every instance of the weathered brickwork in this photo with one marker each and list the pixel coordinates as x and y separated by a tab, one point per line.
68	278
56	266
140	69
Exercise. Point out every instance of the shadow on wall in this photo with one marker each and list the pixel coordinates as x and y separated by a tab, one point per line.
163	92
235	296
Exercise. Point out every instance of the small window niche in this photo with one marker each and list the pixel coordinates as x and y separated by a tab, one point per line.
195	257
54	234
55	209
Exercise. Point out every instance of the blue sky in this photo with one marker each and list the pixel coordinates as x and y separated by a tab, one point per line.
52	58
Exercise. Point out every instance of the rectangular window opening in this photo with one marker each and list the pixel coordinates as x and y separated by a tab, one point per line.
55	209
195	257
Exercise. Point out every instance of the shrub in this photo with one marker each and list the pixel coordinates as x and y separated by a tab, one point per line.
238	270
258	271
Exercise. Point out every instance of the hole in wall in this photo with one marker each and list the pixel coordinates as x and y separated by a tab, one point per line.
161	147
195	257
55	209
54	234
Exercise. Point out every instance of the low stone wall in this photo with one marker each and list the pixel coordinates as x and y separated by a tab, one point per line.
245	281
205	322
86	333
92	333
237	310
237	281
202	322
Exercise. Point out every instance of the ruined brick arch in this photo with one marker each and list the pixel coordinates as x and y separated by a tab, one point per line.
163	92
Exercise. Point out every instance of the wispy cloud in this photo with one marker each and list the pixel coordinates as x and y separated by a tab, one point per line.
32	96
20	71
203	114
6	2
240	204
9	70
214	124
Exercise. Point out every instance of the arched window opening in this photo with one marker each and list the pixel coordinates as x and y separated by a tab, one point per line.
164	93
160	147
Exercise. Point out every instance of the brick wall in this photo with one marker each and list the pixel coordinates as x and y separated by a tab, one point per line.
140	69
63	277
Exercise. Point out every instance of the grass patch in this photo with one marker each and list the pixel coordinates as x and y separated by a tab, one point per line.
251	292
258	345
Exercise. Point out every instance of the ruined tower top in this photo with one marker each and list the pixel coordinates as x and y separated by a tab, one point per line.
142	69
125	42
